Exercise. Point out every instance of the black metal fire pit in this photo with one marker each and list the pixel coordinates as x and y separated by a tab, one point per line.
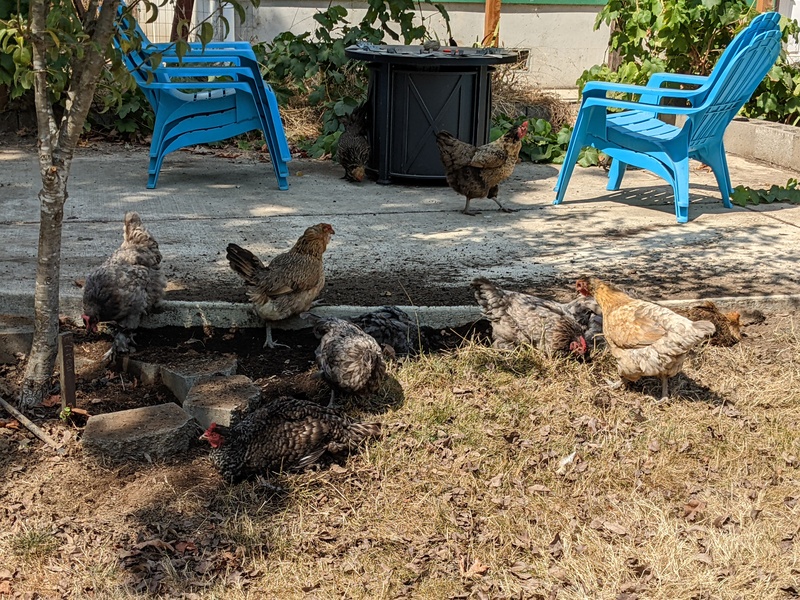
414	93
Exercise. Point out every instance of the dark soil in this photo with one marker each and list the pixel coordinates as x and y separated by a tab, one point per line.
103	388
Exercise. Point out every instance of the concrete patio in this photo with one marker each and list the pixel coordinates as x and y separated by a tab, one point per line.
402	245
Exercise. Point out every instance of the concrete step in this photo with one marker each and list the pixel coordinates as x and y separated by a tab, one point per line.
16	337
182	374
221	400
151	432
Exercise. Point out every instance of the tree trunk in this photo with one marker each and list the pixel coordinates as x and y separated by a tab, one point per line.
183	12
42	357
56	148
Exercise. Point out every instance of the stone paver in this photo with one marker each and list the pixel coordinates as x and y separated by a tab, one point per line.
221	400
135	434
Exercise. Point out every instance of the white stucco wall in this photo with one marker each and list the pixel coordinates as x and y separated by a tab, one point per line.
561	39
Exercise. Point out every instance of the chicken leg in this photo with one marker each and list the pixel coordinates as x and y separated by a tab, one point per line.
269	342
493	195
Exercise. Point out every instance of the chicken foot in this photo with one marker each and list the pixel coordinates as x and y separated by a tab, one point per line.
121	344
269	342
493	195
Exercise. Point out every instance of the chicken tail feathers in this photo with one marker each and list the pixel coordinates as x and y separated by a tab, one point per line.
490	298
358	432
244	262
704	328
135	232
454	153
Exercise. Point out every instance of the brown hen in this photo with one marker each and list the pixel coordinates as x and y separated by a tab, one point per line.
290	283
477	171
726	324
648	340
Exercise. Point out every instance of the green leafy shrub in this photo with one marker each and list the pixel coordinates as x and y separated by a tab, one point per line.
119	106
542	144
681	36
743	195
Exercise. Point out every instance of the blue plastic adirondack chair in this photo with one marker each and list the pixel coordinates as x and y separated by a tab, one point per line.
206	96
637	137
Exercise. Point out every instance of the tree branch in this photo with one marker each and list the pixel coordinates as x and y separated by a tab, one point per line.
45	118
81	89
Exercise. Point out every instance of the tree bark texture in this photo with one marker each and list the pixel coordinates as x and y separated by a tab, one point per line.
183	12
56	149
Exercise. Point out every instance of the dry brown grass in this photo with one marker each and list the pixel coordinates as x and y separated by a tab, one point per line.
467	494
513	94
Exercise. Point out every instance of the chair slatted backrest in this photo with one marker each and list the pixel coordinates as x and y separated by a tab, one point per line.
734	86
768	21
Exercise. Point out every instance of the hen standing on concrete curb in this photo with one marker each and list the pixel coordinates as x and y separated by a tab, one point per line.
126	286
292	280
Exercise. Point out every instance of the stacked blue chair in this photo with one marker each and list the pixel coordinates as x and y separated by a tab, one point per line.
636	136
208	95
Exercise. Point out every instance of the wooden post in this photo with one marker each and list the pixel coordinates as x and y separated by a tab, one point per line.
764	5
66	367
491	23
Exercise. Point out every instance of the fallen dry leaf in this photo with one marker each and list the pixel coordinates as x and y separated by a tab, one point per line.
556	548
704	558
156	543
5	588
615	528
52	400
654	446
693	509
12	424
476	569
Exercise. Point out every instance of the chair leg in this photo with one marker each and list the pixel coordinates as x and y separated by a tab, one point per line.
680	186
615	175
568	166
716	159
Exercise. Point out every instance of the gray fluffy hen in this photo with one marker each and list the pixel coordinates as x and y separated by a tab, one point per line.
349	360
393	327
286	434
126	286
555	328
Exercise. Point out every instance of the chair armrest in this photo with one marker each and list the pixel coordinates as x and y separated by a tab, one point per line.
625	104
594	89
657	79
205	59
212	49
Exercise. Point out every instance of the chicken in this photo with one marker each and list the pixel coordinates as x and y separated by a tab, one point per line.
519	318
286	434
393	327
348	359
476	172
727	326
290	283
127	286
353	147
646	339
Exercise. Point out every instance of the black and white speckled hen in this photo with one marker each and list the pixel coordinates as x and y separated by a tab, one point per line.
349	360
393	327
519	318
285	435
290	283
126	286
353	148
